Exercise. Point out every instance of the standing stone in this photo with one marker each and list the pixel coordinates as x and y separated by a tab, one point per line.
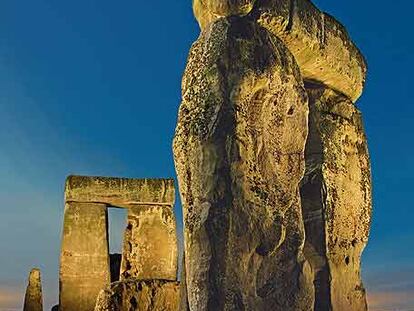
150	244
239	156
136	295
336	200
33	300
84	262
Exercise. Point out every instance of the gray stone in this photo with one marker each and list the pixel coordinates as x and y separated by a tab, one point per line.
239	156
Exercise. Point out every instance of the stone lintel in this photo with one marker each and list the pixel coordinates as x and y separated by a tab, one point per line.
119	192
322	47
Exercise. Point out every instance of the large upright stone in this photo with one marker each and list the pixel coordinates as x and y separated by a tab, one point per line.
84	261
336	200
150	244
239	155
320	44
33	300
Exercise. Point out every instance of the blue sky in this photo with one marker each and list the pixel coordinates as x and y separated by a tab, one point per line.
93	87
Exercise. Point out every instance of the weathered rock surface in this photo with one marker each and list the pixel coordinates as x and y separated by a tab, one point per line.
239	155
151	295
150	244
120	192
150	249
84	261
33	300
336	200
207	11
320	44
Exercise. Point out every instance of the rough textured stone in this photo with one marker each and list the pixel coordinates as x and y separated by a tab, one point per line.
84	262
207	11
320	44
154	295
33	300
239	156
120	192
150	244
336	200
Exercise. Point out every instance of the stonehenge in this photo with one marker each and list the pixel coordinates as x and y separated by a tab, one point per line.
33	300
150	246
272	160
273	172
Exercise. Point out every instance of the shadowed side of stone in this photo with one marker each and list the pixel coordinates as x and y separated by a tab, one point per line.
336	200
239	155
115	264
132	294
183	288
150	244
33	300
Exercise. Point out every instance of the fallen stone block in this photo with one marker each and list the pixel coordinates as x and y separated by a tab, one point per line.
138	295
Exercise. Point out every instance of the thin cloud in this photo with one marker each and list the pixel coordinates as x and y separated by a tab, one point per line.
10	298
391	301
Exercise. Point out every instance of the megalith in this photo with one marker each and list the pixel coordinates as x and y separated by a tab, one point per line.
321	45
254	239
33	300
139	295
150	244
85	262
239	155
336	199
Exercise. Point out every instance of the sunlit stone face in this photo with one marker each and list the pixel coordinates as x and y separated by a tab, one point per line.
207	11
228	7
